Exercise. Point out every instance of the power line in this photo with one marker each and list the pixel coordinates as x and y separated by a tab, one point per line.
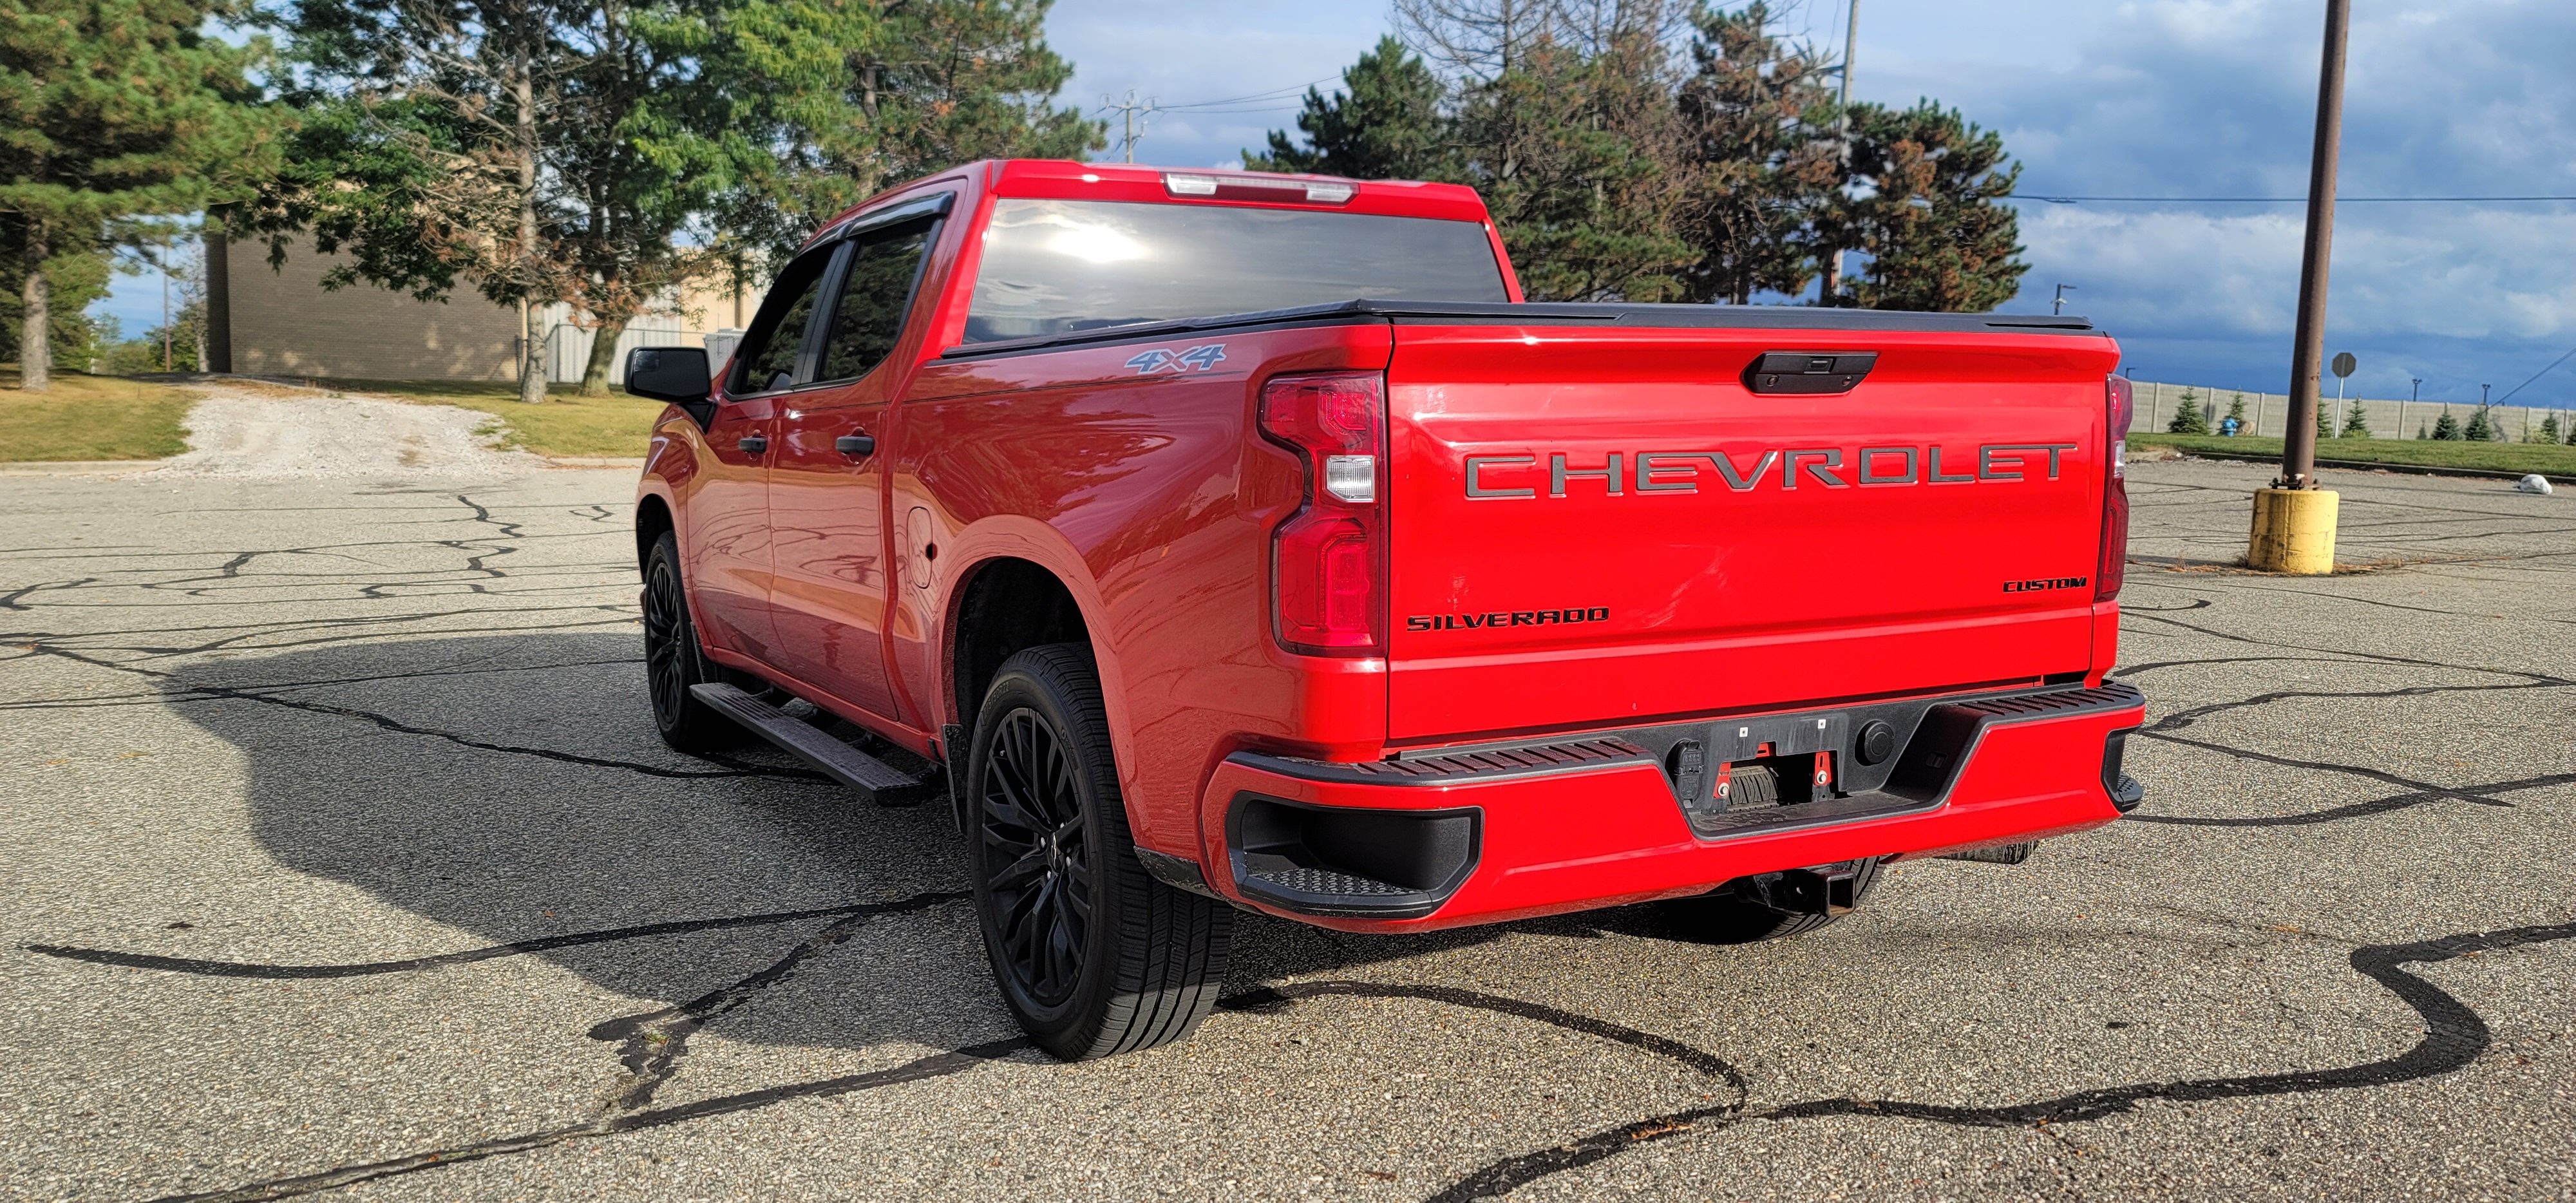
1272	94
2571	354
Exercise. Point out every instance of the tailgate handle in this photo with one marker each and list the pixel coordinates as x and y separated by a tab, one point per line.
1808	371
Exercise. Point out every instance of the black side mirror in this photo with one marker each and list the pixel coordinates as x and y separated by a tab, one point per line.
674	374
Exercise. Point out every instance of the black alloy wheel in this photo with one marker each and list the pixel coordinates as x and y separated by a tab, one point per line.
673	661
1031	826
1093	955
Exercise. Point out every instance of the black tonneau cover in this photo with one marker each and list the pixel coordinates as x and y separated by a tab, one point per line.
1554	313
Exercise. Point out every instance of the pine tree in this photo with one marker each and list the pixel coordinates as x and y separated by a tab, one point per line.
2480	430
1574	154
2236	410
113	111
2549	429
2356	422
2446	428
830	102
1757	114
1384	124
75	276
1930	211
2188	417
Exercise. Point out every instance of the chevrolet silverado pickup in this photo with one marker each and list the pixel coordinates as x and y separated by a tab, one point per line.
1214	541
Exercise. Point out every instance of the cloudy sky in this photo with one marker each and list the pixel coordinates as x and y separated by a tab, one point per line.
2183	98
2177	98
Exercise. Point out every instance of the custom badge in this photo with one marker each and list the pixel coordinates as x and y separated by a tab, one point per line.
1194	359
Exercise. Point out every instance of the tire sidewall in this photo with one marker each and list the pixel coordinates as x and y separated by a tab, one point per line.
1020	687
664	563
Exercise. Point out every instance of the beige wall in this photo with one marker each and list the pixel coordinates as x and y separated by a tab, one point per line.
285	324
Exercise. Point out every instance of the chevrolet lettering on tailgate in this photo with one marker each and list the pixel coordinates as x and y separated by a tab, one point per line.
1502	477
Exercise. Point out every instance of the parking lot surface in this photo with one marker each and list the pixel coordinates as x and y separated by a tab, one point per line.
340	857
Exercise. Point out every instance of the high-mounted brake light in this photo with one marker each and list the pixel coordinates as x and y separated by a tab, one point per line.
1328	559
1259	188
2109	572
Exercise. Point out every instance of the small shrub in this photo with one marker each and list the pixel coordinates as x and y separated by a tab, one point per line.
2189	418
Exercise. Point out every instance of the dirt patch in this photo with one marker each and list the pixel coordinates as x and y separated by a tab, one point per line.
255	429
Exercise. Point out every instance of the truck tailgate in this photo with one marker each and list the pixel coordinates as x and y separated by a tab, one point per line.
1644	535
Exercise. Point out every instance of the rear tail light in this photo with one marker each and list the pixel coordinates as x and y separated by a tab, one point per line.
2112	569
1328	561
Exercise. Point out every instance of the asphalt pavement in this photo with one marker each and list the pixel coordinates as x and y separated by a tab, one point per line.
339	858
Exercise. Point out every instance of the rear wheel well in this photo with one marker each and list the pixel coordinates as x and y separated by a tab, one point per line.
1009	606
652	520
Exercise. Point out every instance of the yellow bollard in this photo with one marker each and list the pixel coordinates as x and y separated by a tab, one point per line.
2294	531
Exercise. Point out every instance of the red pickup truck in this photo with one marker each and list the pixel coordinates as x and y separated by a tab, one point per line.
1224	540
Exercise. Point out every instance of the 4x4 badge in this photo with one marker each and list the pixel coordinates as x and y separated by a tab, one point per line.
1198	358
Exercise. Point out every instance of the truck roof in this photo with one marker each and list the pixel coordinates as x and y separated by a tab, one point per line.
1064	179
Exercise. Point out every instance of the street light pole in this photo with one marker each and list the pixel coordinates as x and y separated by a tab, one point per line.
2294	521
2058	306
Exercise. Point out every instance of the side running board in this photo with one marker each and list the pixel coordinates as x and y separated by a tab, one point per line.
883	784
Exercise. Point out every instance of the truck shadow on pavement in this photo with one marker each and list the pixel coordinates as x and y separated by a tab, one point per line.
512	789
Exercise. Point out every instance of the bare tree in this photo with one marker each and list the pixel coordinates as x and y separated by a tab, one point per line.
1477	41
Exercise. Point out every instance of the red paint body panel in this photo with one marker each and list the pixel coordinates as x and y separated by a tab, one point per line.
1790	589
1154	501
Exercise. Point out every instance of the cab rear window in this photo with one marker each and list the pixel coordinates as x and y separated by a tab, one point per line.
1058	266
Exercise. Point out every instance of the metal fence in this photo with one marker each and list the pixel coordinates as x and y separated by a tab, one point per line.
568	346
2267	413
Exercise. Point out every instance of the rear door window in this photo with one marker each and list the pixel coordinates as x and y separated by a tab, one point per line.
776	340
1058	266
875	293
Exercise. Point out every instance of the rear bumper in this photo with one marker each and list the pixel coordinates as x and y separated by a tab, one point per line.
1512	833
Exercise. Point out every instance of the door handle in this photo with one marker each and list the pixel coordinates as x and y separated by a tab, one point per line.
856	444
754	445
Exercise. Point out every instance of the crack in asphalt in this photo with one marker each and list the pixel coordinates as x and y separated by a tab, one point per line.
652	1046
651	1049
207	968
387	722
2419	792
2454	1037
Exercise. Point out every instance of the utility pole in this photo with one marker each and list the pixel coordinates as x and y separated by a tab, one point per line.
1833	284
1851	38
162	261
2294	520
2416	395
2058	306
1133	115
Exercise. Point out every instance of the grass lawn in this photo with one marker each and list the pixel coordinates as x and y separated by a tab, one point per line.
616	426
89	418
2493	457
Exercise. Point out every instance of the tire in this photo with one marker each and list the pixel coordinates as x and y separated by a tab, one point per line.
1736	913
1093	956
673	660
